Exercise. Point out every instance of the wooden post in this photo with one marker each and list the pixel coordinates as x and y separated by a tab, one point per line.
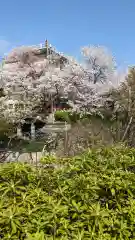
52	110
65	139
46	45
36	159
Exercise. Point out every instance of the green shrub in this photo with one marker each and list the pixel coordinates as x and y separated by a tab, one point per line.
91	196
73	116
61	115
67	116
6	129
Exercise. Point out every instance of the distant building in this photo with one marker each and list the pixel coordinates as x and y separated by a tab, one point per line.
44	50
48	51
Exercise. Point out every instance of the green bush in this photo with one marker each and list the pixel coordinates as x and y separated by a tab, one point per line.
73	116
61	115
7	130
67	116
91	196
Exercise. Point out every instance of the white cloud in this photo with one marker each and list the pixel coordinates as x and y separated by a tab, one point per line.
4	47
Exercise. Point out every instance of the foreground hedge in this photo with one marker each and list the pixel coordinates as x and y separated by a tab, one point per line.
87	197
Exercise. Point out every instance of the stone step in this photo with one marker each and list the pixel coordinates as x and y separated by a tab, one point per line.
56	123
55	128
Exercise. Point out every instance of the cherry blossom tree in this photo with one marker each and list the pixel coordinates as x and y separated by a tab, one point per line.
99	63
28	77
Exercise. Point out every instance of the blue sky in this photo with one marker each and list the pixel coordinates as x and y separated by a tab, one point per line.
68	25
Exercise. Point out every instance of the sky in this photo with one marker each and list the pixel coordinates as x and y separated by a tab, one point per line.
69	25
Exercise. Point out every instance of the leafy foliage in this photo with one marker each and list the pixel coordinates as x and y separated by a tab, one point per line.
6	130
71	116
67	116
122	114
91	196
